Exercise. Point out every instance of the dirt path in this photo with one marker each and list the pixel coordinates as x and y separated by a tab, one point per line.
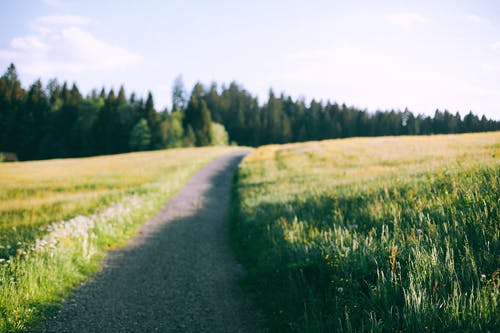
177	275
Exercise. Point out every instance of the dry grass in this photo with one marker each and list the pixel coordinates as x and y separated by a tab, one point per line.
57	219
35	194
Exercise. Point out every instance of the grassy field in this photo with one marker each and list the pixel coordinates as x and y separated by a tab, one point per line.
390	234
58	217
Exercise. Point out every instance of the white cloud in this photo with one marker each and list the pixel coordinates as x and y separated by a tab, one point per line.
491	67
61	44
27	43
477	19
496	45
62	20
89	51
7	55
405	20
311	55
53	3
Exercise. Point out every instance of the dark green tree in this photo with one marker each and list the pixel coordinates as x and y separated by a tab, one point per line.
197	116
34	122
106	126
122	99
140	136
83	138
471	122
11	107
154	123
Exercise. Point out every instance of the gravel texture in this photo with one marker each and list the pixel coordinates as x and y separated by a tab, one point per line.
177	274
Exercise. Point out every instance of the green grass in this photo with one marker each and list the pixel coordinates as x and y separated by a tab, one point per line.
373	234
57	219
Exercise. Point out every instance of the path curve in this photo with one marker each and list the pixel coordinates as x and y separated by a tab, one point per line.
176	275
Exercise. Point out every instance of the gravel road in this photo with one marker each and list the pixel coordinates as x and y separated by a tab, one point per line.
177	275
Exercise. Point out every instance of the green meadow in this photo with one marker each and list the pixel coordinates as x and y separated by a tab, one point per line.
372	234
388	234
58	217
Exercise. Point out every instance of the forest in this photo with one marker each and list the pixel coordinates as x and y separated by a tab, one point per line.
57	121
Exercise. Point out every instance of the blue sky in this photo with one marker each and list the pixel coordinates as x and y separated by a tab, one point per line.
372	54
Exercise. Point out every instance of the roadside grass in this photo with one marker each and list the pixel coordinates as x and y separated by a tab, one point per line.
392	234
58	217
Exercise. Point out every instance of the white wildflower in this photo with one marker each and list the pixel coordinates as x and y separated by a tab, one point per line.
80	228
419	232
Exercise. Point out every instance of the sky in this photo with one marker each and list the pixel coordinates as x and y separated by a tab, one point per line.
375	55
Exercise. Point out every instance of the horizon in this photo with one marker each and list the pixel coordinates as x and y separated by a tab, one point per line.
379	56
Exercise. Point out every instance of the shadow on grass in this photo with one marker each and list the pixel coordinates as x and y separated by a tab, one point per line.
344	261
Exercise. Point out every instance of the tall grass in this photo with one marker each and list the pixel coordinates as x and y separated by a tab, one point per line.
57	219
373	235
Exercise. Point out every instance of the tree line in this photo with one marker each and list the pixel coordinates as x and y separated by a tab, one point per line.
282	119
57	121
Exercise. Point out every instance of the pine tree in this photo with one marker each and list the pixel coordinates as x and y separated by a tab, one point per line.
274	121
313	120
132	98
122	99
11	102
64	120
140	136
203	134
154	123
178	95
82	134
36	112
102	94
54	91
75	96
197	117
105	126
212	99
471	122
